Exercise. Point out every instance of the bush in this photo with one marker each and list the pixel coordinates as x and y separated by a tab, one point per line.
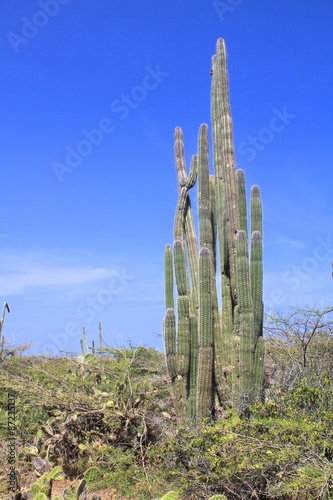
110	421
281	449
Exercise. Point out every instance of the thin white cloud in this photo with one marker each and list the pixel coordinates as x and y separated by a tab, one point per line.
288	242
32	272
16	283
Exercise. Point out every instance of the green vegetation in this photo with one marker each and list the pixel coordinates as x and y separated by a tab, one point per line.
108	422
41	490
211	352
92	415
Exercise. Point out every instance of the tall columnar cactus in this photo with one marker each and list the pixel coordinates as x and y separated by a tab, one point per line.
84	346
2	319
212	352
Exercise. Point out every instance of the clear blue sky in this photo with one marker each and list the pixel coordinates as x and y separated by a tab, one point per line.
91	92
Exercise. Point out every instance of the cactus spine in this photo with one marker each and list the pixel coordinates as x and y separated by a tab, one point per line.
209	352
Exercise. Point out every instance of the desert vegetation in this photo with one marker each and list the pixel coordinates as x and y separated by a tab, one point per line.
106	423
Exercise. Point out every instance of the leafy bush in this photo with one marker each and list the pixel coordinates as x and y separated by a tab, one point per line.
110	421
283	448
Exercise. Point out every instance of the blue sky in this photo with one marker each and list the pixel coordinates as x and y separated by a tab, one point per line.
91	94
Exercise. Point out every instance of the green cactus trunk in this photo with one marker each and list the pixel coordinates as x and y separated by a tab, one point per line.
205	339
214	355
100	335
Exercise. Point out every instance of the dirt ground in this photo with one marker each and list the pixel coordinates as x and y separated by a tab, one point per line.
59	487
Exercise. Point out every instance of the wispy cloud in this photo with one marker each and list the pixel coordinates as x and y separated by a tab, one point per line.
32	272
17	283
289	242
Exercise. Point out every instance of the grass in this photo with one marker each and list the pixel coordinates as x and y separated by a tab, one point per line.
108	421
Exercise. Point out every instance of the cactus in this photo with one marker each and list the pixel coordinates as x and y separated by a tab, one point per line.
93	350
91	475
211	353
172	495
42	488
73	493
84	346
83	343
100	335
2	337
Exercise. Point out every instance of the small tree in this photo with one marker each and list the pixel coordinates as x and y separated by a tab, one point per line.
299	343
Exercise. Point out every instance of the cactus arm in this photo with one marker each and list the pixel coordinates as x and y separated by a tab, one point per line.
85	340
83	343
184	336
206	214
259	355
179	385
257	288
212	199
169	334
228	162
256	259
246	321
191	240
100	335
207	232
257	282
205	222
183	340
2	337
223	365
205	340
192	399
180	157
241	200
5	308
256	210
180	267
168	278
179	224
218	171
186	221
192	177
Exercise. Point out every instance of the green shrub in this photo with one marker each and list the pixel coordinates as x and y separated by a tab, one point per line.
118	429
